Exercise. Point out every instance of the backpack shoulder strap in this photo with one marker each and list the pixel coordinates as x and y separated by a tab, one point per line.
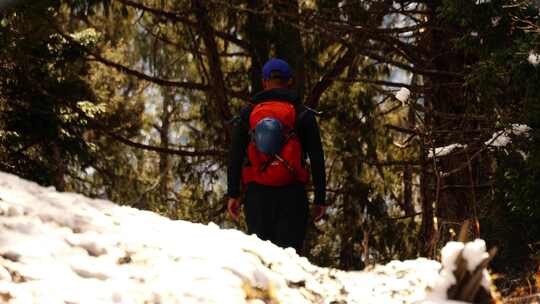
247	112
301	112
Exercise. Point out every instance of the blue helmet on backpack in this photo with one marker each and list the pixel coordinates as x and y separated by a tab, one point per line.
268	136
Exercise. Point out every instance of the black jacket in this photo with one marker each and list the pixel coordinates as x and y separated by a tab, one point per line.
308	133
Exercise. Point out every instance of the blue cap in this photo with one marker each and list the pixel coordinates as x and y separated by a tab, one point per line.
276	65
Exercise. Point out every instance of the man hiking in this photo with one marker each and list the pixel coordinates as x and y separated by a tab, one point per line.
270	141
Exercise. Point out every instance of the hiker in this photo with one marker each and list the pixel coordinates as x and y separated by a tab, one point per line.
271	138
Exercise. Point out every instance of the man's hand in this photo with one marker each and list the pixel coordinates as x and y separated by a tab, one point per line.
318	212
233	206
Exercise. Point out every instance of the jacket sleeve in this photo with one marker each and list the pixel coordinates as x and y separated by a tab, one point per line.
311	141
237	154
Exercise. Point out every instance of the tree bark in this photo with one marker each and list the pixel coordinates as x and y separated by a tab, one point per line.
257	35
217	82
288	42
59	169
164	158
408	205
453	205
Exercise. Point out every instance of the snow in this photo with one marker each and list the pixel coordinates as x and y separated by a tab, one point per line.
403	94
472	252
446	150
502	138
66	248
534	58
90	171
499	139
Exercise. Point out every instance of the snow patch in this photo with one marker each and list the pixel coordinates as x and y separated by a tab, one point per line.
502	138
65	248
472	252
534	58
446	150
4	274
403	94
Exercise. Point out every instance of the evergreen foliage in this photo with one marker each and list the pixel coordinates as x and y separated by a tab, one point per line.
46	102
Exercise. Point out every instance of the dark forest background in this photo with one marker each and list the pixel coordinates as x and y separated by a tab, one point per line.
130	100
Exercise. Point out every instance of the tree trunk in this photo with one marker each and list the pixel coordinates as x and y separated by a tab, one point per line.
59	169
288	43
257	35
164	158
348	233
217	81
408	205
427	232
455	195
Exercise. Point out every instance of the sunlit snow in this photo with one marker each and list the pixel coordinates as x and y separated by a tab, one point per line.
403	94
66	248
499	139
446	150
534	58
502	138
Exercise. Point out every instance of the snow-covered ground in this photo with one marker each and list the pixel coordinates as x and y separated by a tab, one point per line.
66	248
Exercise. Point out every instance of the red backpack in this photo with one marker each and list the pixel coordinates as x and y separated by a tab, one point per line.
285	167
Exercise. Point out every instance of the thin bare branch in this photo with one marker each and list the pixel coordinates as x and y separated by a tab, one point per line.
208	152
341	64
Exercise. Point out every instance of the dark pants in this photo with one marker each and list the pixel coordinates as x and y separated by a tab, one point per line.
277	214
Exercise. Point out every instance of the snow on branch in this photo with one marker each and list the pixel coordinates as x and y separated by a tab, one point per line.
499	139
534	58
502	138
463	275
403	94
478	2
446	150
